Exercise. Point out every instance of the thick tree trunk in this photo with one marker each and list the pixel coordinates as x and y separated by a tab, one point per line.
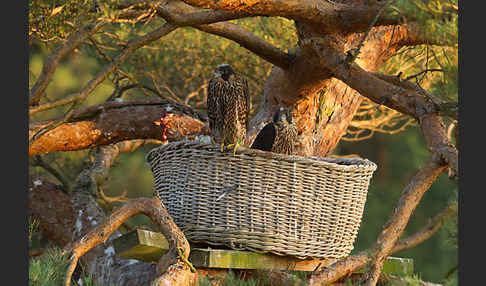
322	106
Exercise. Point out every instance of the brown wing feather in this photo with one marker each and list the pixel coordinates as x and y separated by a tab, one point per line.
243	106
245	111
285	139
214	109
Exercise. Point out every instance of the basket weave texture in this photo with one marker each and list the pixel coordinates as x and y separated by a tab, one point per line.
305	207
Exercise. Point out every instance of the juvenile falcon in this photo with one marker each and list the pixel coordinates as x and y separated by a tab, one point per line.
279	136
228	106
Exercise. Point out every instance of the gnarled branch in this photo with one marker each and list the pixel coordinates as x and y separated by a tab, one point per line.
117	121
397	222
330	16
171	267
385	244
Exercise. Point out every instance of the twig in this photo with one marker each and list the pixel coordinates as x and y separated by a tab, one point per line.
119	92
172	96
117	199
422	72
180	251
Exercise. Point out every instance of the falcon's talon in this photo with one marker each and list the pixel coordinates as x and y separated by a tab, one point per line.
235	146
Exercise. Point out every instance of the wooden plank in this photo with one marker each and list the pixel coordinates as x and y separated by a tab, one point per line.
235	259
141	244
149	246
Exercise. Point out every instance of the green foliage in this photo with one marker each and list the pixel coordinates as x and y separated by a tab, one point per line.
438	20
412	280
438	17
33	226
52	20
48	269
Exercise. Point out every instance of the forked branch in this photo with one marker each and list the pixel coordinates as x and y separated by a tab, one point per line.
113	122
154	209
131	47
385	244
327	14
397	222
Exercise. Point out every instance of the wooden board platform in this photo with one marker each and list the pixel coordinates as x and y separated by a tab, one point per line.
149	246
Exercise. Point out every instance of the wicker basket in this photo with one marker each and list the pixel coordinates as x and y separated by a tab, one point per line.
286	205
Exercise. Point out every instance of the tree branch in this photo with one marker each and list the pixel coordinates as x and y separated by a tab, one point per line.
384	245
154	209
406	101
397	222
131	47
327	14
52	61
113	122
413	34
433	225
249	41
181	14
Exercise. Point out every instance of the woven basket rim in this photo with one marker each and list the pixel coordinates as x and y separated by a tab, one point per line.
326	198
341	163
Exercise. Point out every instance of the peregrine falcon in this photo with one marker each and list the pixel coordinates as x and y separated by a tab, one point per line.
228	107
279	136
